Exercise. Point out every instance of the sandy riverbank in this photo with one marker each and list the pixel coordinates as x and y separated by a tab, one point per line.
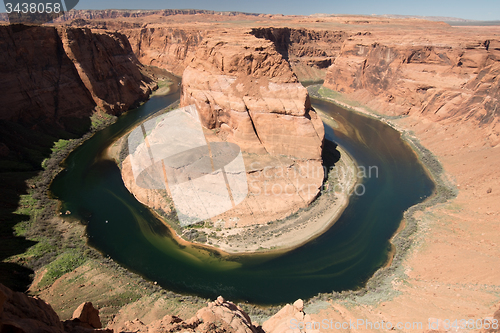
301	227
281	235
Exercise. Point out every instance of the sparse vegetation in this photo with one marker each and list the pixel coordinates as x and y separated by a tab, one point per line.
57	247
164	86
101	119
64	263
37	238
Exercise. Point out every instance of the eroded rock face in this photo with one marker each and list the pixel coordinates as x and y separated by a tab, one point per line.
451	81
316	48
243	87
108	68
227	313
20	313
246	93
39	82
24	314
55	75
165	47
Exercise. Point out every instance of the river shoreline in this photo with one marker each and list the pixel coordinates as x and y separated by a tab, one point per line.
111	287
275	237
380	275
381	286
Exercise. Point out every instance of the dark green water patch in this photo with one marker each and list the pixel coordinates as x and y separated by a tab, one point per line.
342	258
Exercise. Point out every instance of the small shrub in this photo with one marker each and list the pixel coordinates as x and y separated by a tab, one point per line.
64	263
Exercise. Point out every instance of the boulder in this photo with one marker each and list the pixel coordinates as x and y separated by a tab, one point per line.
87	314
22	313
283	320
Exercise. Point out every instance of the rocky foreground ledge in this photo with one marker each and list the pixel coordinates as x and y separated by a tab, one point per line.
24	314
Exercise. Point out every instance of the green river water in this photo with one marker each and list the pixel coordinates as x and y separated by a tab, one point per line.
342	258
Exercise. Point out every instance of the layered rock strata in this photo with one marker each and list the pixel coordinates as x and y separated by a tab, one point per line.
449	81
108	68
304	47
55	75
246	90
165	47
34	68
247	94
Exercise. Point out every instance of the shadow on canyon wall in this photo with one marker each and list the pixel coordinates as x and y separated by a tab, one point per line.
23	150
330	154
57	83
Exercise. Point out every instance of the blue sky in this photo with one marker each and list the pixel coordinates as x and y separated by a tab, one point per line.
475	10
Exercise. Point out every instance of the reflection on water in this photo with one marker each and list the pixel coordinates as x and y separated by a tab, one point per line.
342	258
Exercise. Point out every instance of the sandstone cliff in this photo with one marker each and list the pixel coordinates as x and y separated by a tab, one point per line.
55	76
242	86
20	313
108	68
52	82
246	92
170	46
309	52
304	47
450	81
39	82
165	47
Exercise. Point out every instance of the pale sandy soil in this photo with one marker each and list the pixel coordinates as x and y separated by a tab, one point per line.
453	270
286	234
113	150
295	230
120	296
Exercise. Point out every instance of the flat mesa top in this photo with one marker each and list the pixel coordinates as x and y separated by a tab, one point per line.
416	31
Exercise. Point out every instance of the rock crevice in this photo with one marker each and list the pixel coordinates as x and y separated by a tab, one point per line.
56	75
